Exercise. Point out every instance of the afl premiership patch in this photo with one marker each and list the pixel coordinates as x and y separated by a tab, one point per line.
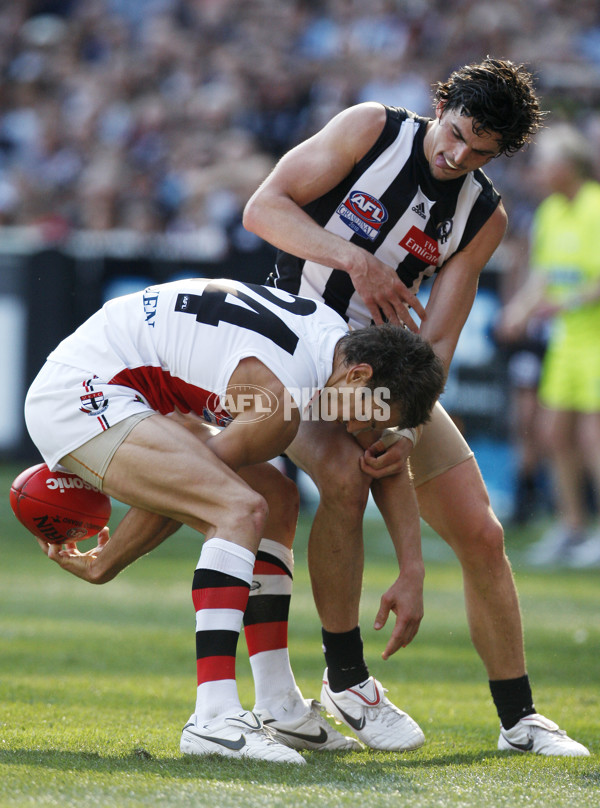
363	213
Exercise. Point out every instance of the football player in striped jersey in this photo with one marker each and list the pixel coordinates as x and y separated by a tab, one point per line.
361	212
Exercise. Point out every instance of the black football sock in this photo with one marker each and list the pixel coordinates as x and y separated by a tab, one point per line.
346	665
513	699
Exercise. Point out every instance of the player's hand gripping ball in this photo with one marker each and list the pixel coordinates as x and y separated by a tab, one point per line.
58	506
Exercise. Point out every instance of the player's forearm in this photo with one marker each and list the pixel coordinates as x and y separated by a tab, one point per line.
396	499
444	347
137	534
276	218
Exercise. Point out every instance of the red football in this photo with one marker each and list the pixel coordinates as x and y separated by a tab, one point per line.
58	506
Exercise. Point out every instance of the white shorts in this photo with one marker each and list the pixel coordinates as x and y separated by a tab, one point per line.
67	407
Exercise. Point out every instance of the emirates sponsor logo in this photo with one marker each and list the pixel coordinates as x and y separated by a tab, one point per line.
421	246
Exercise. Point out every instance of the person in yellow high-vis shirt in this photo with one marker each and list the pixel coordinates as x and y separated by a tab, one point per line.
564	286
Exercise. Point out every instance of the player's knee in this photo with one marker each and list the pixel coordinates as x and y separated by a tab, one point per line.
258	512
246	512
483	547
343	485
492	540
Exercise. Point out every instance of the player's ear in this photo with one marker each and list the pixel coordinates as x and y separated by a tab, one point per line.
359	374
439	109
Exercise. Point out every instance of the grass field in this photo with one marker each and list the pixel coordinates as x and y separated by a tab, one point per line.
96	683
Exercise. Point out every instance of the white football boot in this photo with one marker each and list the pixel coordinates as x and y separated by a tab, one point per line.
536	733
310	731
241	735
376	721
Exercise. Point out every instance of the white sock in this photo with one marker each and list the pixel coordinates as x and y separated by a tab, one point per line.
220	594
266	632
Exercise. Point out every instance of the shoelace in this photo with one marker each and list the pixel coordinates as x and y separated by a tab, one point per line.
384	713
268	733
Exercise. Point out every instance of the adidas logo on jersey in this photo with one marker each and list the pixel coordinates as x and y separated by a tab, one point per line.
419	210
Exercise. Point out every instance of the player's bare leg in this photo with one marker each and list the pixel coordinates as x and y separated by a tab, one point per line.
279	491
331	457
279	703
159	468
194	487
335	550
456	505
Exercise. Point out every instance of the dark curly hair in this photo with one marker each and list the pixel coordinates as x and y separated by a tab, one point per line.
403	363
499	96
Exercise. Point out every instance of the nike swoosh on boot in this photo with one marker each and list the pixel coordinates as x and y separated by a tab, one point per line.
320	738
237	744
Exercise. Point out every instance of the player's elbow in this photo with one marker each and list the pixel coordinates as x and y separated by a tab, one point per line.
444	346
253	213
260	209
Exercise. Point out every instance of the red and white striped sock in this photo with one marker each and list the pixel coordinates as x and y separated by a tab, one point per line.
220	595
266	631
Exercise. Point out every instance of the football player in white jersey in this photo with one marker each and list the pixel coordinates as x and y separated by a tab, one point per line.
361	212
129	402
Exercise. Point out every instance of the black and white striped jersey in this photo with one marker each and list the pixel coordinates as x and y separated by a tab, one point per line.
391	206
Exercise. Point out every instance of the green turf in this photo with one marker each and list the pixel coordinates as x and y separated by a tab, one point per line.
96	682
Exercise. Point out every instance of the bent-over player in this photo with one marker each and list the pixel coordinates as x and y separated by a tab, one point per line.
124	402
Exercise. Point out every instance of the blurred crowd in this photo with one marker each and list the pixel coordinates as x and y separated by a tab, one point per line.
164	115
